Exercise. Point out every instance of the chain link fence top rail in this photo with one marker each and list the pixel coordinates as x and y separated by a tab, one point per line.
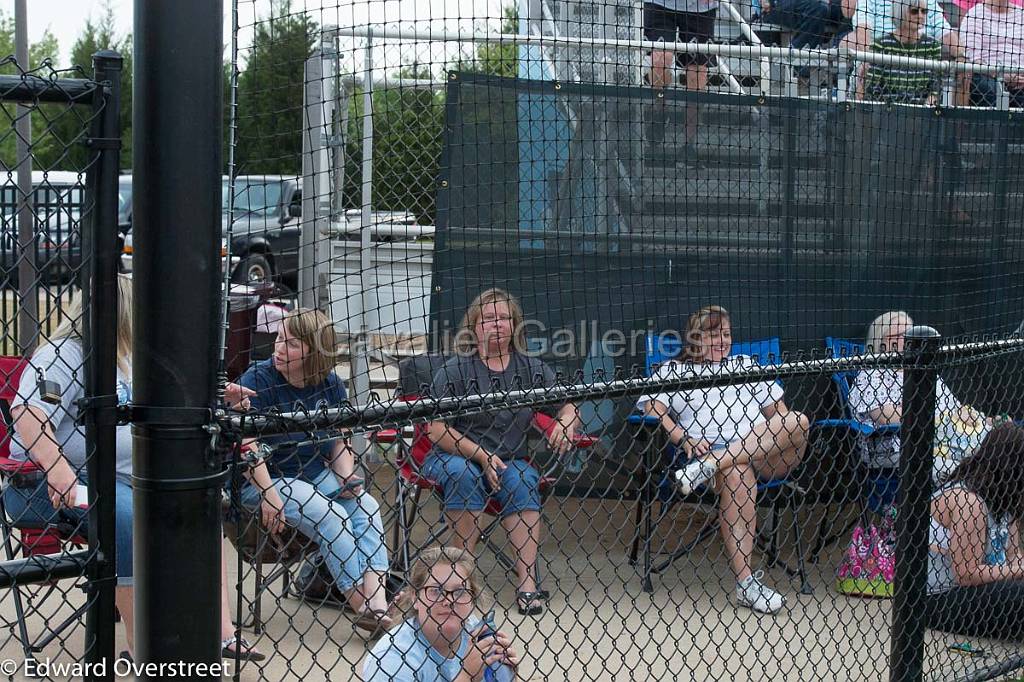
573	339
47	203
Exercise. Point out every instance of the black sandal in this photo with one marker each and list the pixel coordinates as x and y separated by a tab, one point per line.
529	603
237	647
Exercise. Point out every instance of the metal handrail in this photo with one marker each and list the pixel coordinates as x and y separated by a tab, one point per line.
749	33
823	56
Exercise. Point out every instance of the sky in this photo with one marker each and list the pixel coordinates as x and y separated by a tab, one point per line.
65	18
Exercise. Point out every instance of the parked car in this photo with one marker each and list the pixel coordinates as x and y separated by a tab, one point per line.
264	227
57	201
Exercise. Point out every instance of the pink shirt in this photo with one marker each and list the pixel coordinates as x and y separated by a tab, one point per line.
968	4
992	38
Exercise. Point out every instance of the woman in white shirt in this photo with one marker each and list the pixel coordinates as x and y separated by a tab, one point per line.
876	396
733	436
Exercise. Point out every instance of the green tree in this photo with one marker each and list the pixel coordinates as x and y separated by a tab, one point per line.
270	122
96	36
40	55
498	59
408	124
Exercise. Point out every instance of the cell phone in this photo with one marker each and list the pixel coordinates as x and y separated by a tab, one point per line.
488	627
350	484
81	496
488	632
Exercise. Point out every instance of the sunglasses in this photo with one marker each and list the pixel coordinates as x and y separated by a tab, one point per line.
918	11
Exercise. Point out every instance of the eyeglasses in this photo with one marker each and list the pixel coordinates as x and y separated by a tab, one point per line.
459	595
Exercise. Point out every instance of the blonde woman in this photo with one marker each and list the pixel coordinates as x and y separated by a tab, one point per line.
442	640
732	436
47	432
478	456
314	486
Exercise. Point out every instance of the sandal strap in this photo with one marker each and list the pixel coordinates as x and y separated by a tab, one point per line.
240	641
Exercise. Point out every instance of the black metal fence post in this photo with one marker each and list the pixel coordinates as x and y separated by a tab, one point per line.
99	245
177	223
906	656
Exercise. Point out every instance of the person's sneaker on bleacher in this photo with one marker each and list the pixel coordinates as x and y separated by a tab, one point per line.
757	596
694	475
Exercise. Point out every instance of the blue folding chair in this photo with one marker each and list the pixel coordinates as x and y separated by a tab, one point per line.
880	485
661	459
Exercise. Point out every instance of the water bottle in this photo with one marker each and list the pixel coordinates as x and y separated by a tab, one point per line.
495	672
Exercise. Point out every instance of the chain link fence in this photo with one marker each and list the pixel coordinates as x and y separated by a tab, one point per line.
631	309
57	454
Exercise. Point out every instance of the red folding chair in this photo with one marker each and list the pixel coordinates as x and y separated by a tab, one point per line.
415	375
34	538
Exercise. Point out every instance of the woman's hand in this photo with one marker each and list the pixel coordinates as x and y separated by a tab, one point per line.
561	437
61	481
492	466
497	649
272	511
354	489
696	448
237	396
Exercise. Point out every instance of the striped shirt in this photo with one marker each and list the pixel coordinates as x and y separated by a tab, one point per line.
909	85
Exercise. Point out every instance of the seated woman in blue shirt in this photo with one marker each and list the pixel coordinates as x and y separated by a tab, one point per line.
442	640
313	486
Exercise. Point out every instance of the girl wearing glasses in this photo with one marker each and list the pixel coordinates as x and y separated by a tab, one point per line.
443	640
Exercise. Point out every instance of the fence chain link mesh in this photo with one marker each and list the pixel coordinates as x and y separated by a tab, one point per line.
51	149
620	326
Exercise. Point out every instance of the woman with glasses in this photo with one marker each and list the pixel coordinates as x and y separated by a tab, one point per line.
443	639
905	84
478	456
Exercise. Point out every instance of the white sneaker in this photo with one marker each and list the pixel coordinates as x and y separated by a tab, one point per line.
695	474
757	596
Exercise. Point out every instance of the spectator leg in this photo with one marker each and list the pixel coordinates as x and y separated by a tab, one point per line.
661	68
524	535
465	527
696	81
737	516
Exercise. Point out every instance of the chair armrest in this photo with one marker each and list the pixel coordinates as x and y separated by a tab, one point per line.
859	427
638	419
386	435
546	424
9	466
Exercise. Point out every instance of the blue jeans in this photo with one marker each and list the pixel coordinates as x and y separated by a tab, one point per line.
349	533
465	489
33	506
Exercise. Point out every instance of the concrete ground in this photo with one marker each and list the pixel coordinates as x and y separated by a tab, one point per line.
599	624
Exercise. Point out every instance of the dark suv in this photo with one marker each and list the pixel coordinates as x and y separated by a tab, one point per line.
265	227
57	203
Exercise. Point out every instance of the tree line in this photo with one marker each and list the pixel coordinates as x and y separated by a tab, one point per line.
408	122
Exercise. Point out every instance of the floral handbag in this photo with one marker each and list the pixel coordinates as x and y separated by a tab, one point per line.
868	568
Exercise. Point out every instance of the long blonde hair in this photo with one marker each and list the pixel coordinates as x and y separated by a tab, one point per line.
881	326
316	330
465	339
71	326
